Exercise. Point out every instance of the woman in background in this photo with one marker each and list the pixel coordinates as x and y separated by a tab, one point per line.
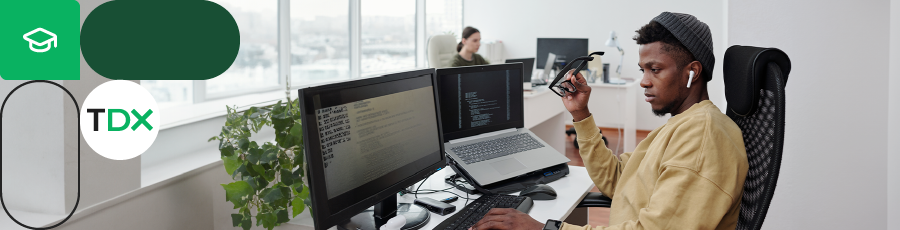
471	41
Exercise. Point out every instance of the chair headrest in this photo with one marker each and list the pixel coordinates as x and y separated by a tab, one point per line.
745	73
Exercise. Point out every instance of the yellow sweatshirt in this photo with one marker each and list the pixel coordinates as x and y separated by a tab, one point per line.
687	174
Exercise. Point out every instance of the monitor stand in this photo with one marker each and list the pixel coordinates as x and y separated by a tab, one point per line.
372	219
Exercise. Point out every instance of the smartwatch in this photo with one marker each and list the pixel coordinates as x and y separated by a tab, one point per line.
552	225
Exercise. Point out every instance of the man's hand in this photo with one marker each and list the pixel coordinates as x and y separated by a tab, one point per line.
577	102
507	218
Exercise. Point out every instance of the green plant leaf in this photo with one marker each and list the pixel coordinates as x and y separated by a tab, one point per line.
257	183
258	170
277	108
284	161
253	155
308	203
270	175
246	223
231	163
298	174
297	188
238	192
241	170
227	151
222	143
268	156
270	195
286	192
286	177
244	143
212	138
236	219
282	216
280	122
305	193
297	132
297	206
226	130
266	219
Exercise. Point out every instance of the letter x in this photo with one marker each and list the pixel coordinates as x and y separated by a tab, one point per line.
141	119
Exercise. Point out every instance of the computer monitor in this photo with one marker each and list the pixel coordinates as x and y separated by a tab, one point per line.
367	139
565	49
528	66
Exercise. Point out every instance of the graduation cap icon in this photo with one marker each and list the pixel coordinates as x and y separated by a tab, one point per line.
46	42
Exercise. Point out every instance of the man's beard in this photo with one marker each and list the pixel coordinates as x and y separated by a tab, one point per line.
665	110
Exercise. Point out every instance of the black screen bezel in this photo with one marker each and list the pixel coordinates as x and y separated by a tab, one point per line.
324	217
517	87
526	69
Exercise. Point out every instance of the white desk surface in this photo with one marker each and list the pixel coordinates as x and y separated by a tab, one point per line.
570	191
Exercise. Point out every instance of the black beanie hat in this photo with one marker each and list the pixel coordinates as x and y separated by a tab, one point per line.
694	35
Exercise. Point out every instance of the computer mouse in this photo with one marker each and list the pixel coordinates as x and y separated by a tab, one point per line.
539	192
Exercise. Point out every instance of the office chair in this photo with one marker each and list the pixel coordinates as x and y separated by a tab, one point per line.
754	88
441	50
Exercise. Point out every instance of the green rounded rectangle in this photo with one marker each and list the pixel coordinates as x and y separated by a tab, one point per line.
40	40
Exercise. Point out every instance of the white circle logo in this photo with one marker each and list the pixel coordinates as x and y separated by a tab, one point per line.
119	120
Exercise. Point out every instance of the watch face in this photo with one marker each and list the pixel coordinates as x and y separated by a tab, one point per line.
552	225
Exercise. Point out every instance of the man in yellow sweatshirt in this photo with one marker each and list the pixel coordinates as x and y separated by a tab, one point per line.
688	173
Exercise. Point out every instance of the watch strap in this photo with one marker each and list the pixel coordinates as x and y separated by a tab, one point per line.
552	225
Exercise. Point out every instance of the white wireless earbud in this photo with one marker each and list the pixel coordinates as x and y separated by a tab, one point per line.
690	79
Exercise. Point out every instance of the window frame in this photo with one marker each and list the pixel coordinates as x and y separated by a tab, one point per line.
200	97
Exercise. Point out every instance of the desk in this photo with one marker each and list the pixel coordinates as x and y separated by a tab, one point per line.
545	116
614	106
570	191
611	105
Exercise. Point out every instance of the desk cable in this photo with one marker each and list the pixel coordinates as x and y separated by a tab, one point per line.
430	191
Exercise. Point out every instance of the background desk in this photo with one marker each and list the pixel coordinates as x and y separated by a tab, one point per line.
570	190
545	116
612	106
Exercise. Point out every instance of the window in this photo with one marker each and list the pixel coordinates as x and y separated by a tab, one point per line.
388	39
443	17
320	45
256	65
170	93
320	41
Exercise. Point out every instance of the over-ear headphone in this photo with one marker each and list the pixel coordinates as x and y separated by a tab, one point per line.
690	79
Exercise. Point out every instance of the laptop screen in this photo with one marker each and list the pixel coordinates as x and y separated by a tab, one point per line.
480	99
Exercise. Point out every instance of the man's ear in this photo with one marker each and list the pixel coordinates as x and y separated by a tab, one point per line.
697	68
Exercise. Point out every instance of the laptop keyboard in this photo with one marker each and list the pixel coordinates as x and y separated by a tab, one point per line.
486	150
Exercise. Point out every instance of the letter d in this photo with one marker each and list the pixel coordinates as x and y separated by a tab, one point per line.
109	120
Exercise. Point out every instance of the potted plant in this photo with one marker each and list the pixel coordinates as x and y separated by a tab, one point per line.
268	177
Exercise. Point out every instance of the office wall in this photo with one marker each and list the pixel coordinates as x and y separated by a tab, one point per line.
837	108
33	148
182	203
893	153
518	24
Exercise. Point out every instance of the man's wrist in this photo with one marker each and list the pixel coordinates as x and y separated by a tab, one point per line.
580	115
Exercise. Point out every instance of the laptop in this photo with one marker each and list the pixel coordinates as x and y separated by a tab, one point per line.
526	74
482	115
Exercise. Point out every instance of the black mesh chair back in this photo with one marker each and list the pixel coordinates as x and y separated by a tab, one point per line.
754	88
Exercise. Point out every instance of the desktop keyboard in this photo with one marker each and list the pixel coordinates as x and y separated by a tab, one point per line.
472	213
486	150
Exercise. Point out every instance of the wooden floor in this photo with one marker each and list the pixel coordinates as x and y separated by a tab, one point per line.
599	216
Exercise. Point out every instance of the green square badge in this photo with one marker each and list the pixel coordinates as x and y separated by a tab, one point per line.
40	40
